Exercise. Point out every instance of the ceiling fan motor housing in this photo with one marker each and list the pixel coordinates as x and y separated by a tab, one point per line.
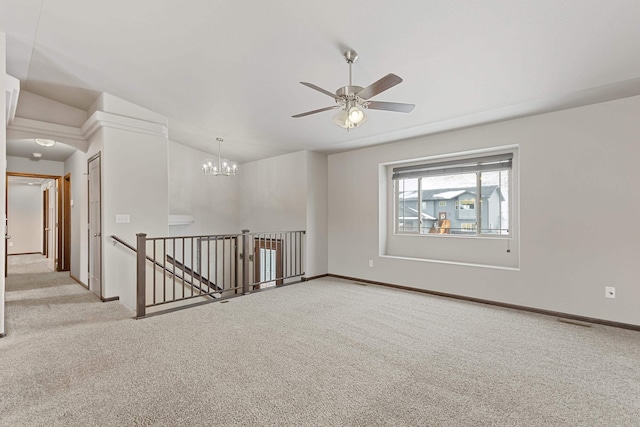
348	91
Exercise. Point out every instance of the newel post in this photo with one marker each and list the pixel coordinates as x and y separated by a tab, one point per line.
246	257
141	274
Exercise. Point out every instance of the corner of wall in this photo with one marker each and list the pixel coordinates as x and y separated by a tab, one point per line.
317	214
3	165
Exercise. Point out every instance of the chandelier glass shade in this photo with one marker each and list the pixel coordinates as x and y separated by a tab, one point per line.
224	167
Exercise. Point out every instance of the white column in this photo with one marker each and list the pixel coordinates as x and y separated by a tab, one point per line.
134	183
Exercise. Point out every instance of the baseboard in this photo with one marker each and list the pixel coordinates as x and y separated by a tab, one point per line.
497	304
26	253
306	279
78	280
103	299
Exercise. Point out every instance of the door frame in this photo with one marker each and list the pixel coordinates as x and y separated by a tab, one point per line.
62	249
45	221
97	156
64	197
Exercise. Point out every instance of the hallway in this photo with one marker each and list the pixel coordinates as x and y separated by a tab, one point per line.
39	299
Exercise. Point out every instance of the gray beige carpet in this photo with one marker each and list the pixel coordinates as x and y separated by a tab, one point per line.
325	352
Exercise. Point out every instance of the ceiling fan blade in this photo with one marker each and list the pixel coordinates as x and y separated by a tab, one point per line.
391	106
388	81
316	111
319	89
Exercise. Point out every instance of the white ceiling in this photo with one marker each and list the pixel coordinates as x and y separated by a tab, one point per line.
232	69
26	147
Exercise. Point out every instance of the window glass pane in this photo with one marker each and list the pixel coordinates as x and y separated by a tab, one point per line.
407	205
443	197
495	202
448	202
267	267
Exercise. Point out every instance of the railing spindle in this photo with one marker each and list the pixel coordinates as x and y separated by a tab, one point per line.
141	266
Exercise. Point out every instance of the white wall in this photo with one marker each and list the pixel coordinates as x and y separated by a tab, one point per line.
134	171
289	193
38	167
273	193
212	201
35	107
573	165
76	165
24	218
284	193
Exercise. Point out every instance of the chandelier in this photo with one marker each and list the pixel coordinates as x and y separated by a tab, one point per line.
223	167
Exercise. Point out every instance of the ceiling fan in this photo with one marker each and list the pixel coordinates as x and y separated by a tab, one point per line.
352	100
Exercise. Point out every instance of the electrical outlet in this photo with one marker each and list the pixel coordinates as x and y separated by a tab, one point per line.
370	263
609	292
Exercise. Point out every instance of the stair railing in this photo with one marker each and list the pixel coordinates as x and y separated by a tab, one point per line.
172	270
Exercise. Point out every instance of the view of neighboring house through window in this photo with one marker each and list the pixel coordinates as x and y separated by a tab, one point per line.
463	197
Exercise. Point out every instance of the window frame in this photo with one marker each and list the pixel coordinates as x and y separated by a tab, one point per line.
452	163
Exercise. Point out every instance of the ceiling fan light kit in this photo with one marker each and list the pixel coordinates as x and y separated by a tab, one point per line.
353	100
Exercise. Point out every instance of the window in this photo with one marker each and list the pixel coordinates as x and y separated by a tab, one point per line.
477	187
468	205
468	227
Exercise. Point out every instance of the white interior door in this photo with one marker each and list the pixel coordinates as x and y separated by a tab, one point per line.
95	228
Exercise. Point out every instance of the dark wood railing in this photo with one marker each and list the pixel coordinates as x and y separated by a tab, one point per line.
172	270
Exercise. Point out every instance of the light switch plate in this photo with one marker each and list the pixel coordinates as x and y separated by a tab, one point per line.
123	218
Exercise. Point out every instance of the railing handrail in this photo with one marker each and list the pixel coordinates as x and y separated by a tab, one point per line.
216	236
277	232
197	236
122	242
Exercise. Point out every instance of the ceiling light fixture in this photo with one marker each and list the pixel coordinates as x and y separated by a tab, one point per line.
45	142
352	100
351	116
224	167
36	155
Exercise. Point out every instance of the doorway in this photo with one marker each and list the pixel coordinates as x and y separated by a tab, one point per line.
42	223
95	226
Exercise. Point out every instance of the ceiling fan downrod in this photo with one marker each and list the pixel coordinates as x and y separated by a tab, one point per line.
351	56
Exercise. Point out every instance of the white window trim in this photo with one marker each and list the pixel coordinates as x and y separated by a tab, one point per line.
479	251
